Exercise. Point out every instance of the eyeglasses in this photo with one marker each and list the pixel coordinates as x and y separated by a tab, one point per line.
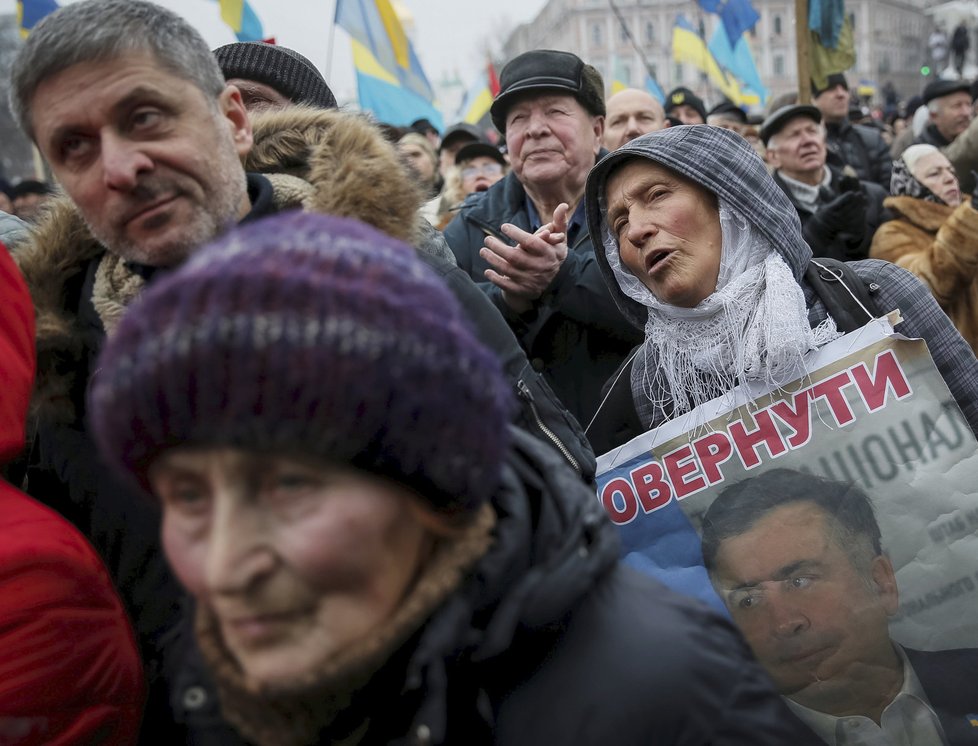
489	169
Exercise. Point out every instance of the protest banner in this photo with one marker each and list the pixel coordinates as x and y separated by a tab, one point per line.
872	412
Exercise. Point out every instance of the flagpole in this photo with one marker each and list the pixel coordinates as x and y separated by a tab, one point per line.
635	45
329	44
802	40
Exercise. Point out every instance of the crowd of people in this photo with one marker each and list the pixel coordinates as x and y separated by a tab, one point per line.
311	404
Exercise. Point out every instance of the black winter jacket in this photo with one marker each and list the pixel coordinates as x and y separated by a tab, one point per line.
575	334
550	641
861	147
840	248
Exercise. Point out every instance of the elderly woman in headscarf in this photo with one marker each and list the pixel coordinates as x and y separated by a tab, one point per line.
703	251
374	554
934	234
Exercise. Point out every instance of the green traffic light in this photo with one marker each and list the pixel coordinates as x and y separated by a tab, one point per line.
925	70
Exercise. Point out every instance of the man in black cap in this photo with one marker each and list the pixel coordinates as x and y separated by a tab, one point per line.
455	137
855	145
686	106
838	213
949	104
273	77
526	238
729	116
423	126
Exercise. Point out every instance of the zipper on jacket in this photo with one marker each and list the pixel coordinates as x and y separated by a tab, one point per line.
527	395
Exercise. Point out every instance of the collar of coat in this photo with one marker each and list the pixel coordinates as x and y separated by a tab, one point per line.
325	161
929	216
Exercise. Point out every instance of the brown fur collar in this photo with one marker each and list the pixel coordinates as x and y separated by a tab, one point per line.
929	216
354	170
344	167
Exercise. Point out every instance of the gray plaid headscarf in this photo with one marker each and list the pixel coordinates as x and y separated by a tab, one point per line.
755	325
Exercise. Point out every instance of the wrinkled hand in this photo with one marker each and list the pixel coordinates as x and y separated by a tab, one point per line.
524	271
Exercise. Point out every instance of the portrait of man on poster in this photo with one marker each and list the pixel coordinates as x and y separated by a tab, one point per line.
799	563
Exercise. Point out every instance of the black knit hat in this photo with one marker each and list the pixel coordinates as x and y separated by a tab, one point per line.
831	81
547	70
285	70
315	336
682	95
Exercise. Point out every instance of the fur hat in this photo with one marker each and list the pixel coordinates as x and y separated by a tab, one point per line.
544	70
285	70
309	335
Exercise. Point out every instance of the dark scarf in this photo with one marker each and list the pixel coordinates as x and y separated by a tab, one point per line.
904	184
298	714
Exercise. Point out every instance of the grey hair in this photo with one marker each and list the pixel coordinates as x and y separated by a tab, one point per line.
101	30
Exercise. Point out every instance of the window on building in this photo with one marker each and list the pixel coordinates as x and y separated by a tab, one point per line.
677	74
622	32
777	25
626	74
778	64
649	32
596	34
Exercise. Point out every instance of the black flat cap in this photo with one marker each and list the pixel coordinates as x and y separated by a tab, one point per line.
941	88
475	149
729	110
461	132
547	70
778	119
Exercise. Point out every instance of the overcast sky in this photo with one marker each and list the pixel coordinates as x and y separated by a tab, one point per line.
448	35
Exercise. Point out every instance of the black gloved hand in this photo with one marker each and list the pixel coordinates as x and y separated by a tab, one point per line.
974	192
844	214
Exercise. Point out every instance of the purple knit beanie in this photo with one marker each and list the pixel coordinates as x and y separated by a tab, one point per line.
314	336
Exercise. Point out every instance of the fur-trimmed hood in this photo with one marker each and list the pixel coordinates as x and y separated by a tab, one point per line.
318	160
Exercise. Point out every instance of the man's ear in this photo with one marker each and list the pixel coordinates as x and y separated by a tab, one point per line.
598	125
233	108
884	581
771	156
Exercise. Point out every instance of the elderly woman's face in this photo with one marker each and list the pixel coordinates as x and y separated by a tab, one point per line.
935	172
295	560
668	231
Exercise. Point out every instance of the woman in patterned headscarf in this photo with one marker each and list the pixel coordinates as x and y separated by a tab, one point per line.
935	234
702	250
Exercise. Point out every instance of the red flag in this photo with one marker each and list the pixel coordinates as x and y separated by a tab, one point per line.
493	79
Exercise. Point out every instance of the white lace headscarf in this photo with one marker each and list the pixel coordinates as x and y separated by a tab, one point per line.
754	326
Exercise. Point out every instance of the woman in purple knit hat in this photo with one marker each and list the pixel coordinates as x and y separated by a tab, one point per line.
373	554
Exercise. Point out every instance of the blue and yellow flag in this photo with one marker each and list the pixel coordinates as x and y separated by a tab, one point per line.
241	17
30	12
689	46
738	61
382	52
381	92
478	99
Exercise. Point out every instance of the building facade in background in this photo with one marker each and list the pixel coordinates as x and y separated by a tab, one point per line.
890	35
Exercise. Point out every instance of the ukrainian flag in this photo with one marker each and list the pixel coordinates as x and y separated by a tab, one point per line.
30	12
382	93
688	46
739	62
241	17
390	80
477	100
